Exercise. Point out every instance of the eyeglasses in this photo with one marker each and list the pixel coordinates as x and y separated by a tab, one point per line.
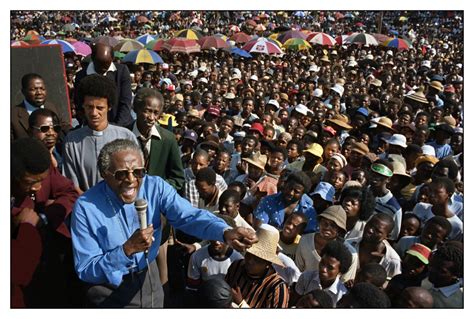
122	174
46	128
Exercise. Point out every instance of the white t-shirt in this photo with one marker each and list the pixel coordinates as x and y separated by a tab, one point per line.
424	212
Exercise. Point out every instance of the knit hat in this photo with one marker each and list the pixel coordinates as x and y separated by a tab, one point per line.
266	247
337	214
421	252
340	158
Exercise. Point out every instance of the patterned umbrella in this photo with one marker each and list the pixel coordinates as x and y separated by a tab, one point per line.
398	43
361	38
110	41
182	45
260	27
241	37
290	35
81	48
381	38
212	42
262	45
145	38
65	46
20	44
143	56
156	45
341	38
222	36
239	52
142	19
321	39
33	38
127	45
296	44
234	28
31	32
189	34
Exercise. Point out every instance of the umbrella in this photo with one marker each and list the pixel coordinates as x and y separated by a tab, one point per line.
189	34
241	37
340	39
380	37
339	16
240	52
234	28
182	45
262	45
33	39
349	16
290	35
360	25
81	48
145	38
30	32
398	43
20	44
65	46
156	45
127	45
260	27
394	32
299	14
361	38
143	56
321	38
70	27
220	35
108	19
296	44
212	42
119	55
251	22
106	40
142	19
402	19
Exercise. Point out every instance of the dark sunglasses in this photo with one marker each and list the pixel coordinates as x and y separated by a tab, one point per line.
122	174
46	128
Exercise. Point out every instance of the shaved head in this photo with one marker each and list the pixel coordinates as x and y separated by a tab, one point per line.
415	297
102	56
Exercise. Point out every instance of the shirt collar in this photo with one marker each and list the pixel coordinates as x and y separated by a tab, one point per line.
449	290
334	288
30	108
154	131
91	69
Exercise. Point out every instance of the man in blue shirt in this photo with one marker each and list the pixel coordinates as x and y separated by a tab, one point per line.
443	133
111	253
274	209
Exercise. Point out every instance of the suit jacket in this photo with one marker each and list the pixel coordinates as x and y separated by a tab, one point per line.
165	159
19	120
120	113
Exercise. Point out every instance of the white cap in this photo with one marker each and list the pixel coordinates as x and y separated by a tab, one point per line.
352	64
202	69
428	150
389	52
204	80
254	77
274	103
318	93
165	66
313	68
426	63
303	109
339	89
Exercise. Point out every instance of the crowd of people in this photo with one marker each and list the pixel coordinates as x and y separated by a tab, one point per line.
329	177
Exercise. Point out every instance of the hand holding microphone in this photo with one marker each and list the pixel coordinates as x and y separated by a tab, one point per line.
141	239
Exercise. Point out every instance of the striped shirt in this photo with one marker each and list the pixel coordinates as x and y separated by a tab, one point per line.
388	204
270	291
190	191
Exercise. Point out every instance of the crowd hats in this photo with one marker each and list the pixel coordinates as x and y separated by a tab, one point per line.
437	85
266	247
397	139
418	96
340	158
315	149
384	121
325	190
190	135
257	159
166	119
381	169
360	148
258	127
426	158
421	252
340	120
337	214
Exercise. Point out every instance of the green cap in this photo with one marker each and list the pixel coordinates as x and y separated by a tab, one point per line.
381	169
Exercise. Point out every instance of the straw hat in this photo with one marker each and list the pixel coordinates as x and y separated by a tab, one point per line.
337	214
437	85
399	169
418	96
340	120
385	122
325	59
257	159
426	158
315	149
266	247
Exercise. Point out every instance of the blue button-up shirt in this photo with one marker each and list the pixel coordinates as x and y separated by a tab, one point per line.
271	210
102	223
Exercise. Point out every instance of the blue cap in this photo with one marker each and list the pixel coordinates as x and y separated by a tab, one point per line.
191	135
363	111
325	190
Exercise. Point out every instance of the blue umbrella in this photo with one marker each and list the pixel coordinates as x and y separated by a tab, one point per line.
394	32
144	39
299	14
65	46
240	52
143	56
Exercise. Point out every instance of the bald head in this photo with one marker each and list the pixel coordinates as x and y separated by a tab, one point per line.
102	56
415	297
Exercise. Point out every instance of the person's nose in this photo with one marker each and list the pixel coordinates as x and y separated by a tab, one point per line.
35	187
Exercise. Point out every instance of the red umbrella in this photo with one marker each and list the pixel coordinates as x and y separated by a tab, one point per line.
380	37
359	24
156	45
321	39
398	43
20	44
251	23
32	32
262	45
291	34
209	42
241	37
339	16
234	28
142	19
182	45
341	38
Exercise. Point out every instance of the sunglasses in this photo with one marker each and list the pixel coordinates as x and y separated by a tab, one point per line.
46	128
122	174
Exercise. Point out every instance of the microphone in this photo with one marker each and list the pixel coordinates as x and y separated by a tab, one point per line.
141	207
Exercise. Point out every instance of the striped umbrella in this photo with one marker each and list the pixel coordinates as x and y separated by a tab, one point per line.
209	42
65	46
341	38
156	45
143	56
321	39
398	43
381	38
33	38
182	45
262	45
127	45
81	48
296	44
145	38
110	41
222	36
241	37
189	34
19	44
361	38
290	35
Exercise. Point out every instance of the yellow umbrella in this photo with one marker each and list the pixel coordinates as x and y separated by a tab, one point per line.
296	44
274	36
403	19
189	34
